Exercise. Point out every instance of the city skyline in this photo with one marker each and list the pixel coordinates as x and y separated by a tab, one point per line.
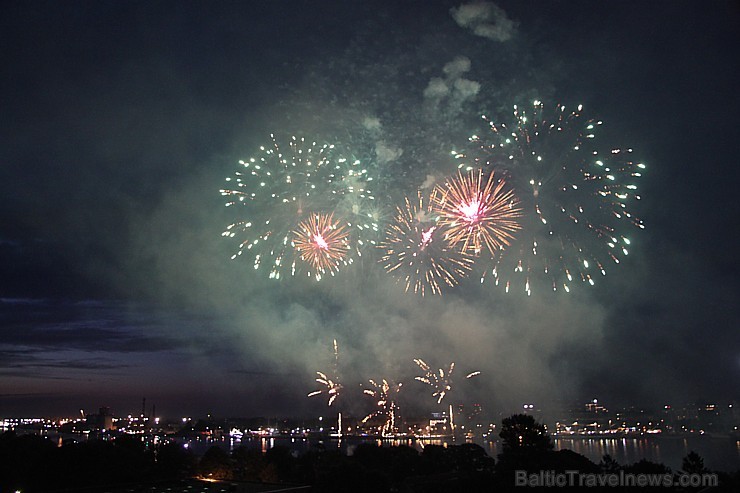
471	422
587	428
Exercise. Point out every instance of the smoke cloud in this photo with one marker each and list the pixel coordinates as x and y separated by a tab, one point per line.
485	19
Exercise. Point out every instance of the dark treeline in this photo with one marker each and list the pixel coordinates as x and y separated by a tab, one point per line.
32	463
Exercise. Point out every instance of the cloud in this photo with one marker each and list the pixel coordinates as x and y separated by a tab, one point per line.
386	152
372	124
31	363
449	94
91	342
428	182
457	67
485	19
80	364
114	327
436	89
22	301
466	89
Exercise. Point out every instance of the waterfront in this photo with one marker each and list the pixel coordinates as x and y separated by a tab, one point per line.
719	453
226	462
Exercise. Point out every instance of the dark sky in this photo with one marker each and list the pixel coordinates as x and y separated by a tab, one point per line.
121	120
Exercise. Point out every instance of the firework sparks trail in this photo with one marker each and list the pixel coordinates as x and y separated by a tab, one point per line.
323	243
477	213
574	196
279	187
417	253
384	396
363	215
440	380
331	383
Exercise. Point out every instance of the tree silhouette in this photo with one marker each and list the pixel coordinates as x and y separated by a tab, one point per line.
215	464
693	464
526	446
521	433
608	464
248	463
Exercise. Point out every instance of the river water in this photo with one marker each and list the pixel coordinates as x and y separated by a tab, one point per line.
719	453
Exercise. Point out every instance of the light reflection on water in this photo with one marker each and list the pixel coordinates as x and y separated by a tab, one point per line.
718	453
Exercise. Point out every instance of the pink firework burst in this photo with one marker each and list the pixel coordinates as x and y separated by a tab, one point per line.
416	251
477	212
322	243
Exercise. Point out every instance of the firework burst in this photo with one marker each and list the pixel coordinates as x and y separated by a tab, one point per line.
477	212
574	196
417	252
384	395
322	243
440	380
331	384
278	188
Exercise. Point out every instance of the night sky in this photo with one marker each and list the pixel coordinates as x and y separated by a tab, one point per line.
121	120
